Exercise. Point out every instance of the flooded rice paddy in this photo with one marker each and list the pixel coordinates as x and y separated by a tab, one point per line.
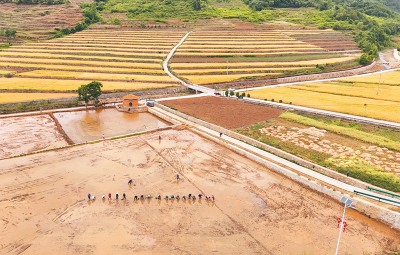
82	126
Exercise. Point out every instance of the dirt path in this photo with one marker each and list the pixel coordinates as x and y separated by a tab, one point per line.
44	206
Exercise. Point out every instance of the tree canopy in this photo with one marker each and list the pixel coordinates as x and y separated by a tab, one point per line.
90	91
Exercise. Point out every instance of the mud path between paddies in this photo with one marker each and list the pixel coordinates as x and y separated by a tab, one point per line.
44	207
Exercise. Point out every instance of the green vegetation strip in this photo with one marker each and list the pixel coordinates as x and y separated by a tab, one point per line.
347	131
123	136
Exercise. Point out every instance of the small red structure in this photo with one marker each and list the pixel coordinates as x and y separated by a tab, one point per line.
130	100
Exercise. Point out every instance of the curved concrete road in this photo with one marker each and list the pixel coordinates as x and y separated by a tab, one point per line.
165	67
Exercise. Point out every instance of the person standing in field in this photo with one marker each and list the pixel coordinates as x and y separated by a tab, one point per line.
103	137
116	196
348	172
109	196
88	196
177	176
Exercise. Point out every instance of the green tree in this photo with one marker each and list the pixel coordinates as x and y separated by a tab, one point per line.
89	91
196	5
365	59
232	93
237	94
10	33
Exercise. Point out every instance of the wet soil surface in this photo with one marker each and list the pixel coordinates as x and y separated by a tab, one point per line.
44	207
82	126
27	134
227	113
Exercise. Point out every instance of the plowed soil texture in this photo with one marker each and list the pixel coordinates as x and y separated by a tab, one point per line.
45	209
224	112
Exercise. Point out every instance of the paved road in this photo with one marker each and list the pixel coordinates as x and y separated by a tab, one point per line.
256	151
165	66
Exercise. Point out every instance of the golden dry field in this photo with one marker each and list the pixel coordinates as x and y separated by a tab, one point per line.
207	79
67	85
260	64
205	52
385	107
392	78
94	76
18	97
100	55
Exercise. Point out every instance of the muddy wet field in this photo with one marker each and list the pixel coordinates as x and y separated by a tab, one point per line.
27	134
82	126
44	206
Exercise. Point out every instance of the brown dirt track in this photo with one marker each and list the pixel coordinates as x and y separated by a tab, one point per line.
44	209
227	113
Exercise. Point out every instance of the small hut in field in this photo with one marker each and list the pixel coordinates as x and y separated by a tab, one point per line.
130	100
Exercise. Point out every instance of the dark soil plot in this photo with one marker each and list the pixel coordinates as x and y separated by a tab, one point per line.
227	113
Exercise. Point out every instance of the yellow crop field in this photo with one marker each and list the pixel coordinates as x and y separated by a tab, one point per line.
94	76
78	62
67	85
122	53
255	46
60	56
242	42
207	79
91	48
239	54
379	109
85	68
241	64
92	45
19	97
196	71
386	78
233	51
263	48
386	92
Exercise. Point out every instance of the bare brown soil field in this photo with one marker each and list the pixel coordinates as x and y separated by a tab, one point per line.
227	113
44	206
28	134
31	21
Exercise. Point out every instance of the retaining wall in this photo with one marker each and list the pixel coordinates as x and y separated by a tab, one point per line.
300	78
374	211
275	151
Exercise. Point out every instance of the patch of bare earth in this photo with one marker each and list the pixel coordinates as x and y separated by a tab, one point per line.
256	211
227	113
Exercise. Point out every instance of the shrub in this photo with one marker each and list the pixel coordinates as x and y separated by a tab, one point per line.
265	99
280	101
237	94
248	95
232	93
272	100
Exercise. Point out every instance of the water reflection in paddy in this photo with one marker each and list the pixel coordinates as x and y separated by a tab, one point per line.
90	125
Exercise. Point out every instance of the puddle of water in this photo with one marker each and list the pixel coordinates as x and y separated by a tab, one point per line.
90	125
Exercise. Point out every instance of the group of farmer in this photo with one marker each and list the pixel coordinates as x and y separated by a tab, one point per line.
141	197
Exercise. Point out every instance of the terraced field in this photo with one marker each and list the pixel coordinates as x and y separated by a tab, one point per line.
213	57
345	97
120	59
